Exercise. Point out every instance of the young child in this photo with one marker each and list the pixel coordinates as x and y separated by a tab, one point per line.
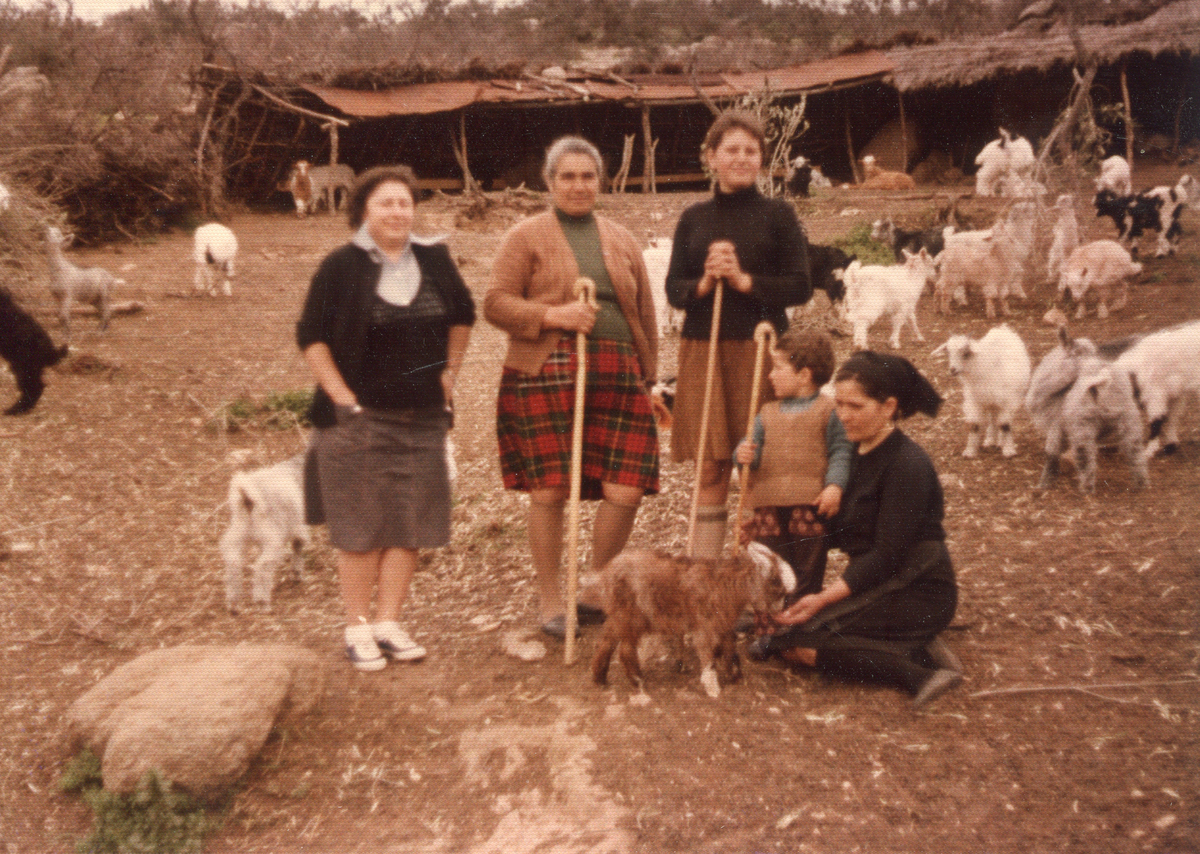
798	458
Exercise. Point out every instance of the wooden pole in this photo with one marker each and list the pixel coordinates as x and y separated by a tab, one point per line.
764	337
702	440
1128	114
585	289
850	151
649	184
903	135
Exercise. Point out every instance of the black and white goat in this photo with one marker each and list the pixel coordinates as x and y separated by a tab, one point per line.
1155	210
932	240
1165	369
28	350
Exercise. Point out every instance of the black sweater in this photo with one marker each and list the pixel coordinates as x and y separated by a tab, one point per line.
893	501
337	311
770	246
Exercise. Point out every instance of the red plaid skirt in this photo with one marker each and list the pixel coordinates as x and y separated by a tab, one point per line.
535	414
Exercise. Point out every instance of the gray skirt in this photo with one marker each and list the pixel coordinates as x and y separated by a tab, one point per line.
383	479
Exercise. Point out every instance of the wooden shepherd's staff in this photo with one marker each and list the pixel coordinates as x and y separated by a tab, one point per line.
708	388
585	289
764	337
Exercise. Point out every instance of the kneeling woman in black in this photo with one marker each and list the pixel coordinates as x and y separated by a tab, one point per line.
879	622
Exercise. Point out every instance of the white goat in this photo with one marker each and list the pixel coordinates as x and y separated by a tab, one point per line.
215	250
1103	266
1005	165
1165	369
994	373
873	291
266	509
1075	399
1115	176
657	258
330	185
992	260
1066	237
71	284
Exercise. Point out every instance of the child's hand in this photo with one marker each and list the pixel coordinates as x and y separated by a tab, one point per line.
745	453
829	501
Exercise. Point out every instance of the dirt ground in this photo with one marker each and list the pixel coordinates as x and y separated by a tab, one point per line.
1076	728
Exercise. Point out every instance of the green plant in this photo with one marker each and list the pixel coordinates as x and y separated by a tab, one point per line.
279	411
858	242
154	817
782	125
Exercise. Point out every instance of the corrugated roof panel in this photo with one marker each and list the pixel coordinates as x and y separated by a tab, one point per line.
425	98
820	74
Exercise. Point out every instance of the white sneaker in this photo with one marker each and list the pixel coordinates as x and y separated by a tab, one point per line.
362	650
396	643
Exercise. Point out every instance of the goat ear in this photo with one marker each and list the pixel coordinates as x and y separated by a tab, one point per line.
941	348
1064	337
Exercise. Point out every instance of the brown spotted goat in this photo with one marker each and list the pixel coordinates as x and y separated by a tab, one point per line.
648	592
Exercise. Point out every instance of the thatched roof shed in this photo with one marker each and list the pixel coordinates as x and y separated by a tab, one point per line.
1174	29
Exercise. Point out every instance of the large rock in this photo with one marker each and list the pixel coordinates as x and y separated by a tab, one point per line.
197	715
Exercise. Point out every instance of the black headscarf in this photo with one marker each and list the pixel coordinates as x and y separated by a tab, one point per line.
883	375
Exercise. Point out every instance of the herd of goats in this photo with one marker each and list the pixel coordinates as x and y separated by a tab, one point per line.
1080	395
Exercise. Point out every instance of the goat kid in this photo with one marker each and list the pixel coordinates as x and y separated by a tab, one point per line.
1165	369
330	185
215	248
994	373
657	258
27	348
877	178
299	184
648	592
1102	267
1005	166
1115	176
873	291
1155	210
266	510
1066	237
1077	399
884	231
71	284
992	260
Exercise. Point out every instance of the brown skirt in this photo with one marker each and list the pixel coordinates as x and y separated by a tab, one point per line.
729	412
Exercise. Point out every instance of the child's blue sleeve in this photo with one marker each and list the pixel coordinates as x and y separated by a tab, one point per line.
840	451
756	436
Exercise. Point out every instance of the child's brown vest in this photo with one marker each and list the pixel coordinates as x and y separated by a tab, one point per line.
794	455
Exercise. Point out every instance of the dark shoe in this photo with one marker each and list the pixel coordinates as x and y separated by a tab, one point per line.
556	627
936	685
759	649
745	623
587	615
943	657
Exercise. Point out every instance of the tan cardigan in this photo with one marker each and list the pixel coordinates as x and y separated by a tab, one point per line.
536	269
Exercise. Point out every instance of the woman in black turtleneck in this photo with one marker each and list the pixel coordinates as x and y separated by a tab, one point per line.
756	246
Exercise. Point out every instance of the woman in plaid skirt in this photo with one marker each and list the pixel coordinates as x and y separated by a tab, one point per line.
532	298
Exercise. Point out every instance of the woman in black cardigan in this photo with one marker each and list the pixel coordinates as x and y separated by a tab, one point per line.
384	329
879	622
